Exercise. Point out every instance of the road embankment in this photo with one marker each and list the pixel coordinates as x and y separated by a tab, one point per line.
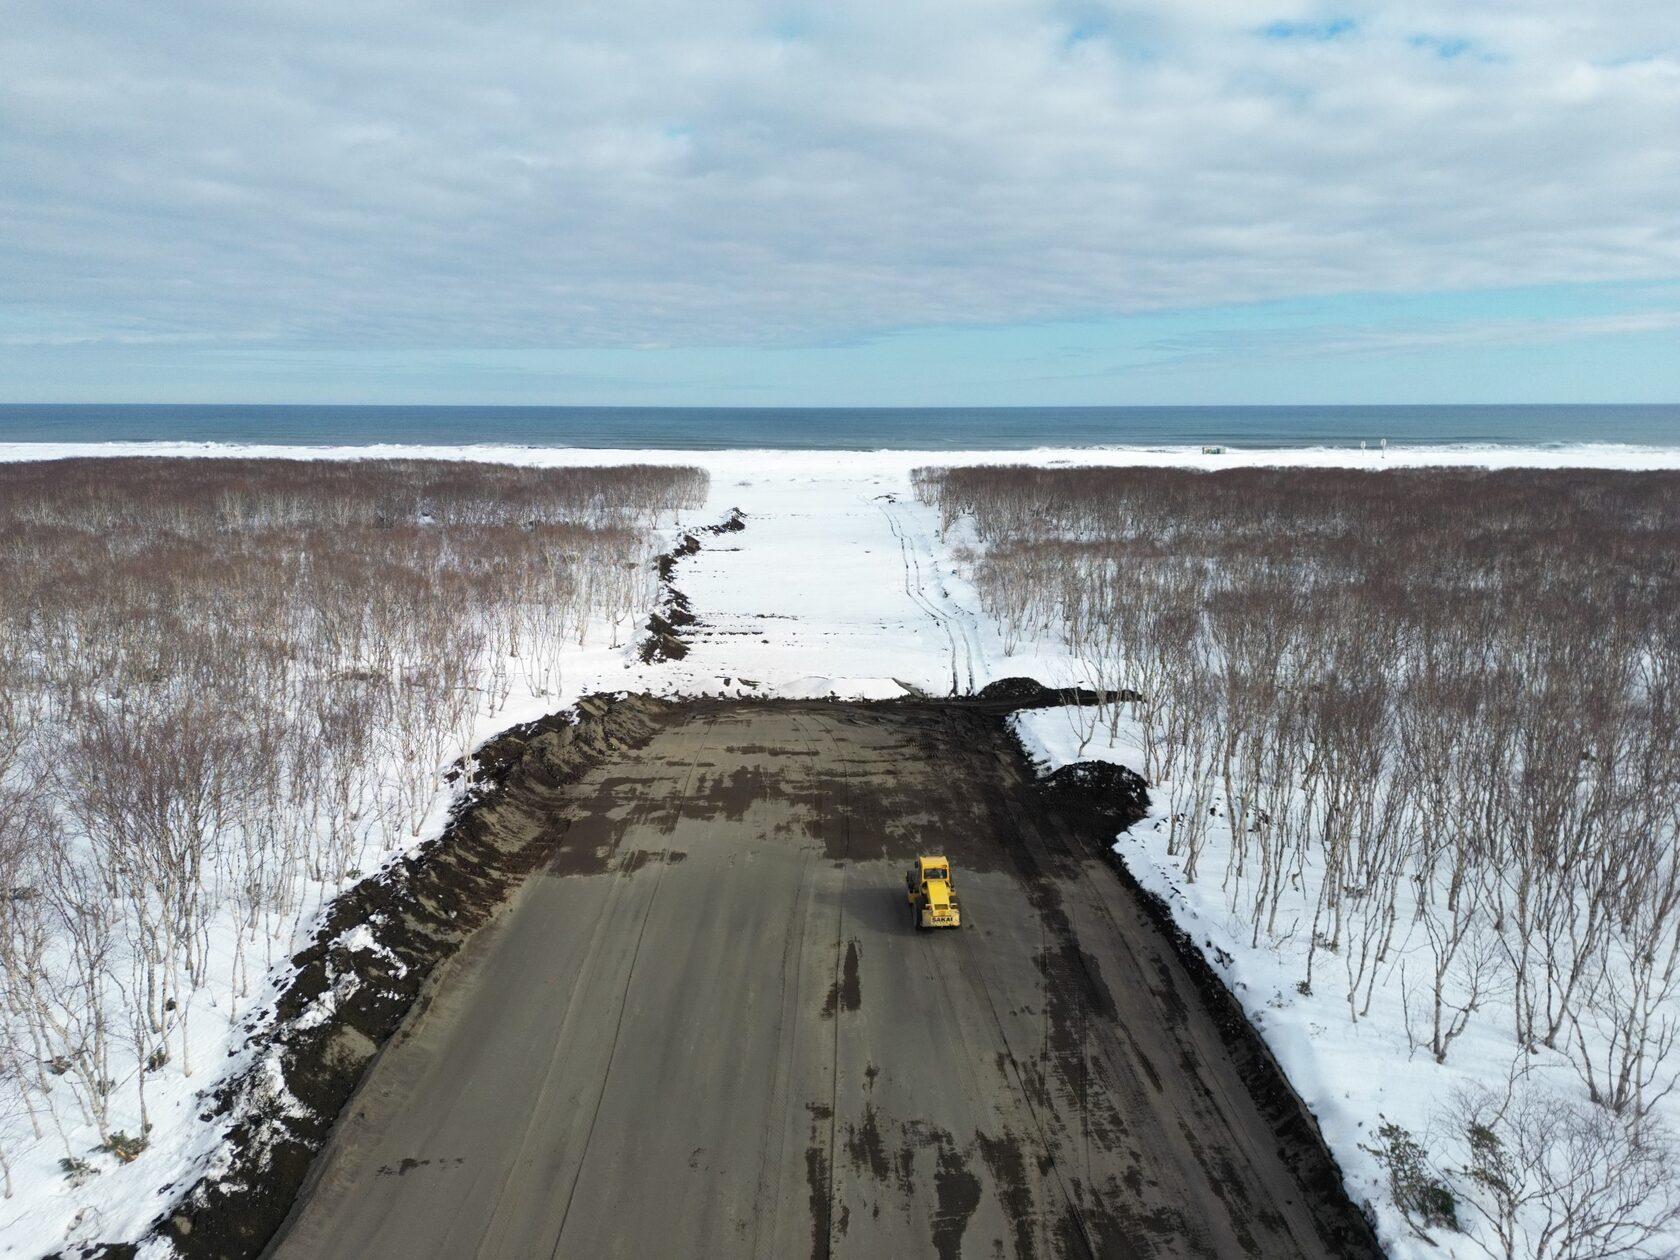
704	1016
375	959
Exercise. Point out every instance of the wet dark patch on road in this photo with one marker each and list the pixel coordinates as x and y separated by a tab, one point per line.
817	1183
406	1166
868	1151
1145	1065
634	860
765	750
905	1166
851	988
819	1180
846	993
957	1192
732	796
1168	994
1009	1170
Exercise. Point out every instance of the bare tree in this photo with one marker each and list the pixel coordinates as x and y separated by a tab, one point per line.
224	686
1553	1179
1433	710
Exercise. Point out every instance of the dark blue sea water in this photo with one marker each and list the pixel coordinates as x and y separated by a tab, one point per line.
841	428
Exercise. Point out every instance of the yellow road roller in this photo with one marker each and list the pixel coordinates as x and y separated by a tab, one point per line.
933	902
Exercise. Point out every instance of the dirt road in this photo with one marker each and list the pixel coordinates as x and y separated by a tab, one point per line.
709	1029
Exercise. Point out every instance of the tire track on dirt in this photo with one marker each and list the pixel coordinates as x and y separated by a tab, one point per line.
825	1226
629	977
645	805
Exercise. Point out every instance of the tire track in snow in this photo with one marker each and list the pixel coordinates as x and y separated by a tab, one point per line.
956	632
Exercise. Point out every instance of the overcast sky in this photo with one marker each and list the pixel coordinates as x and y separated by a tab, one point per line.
868	201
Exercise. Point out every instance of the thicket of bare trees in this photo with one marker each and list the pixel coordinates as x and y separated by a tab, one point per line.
1436	708
226	688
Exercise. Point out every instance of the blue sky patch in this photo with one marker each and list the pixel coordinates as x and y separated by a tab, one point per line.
1314	32
1445	49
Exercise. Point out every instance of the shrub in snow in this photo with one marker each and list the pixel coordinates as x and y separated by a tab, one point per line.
1419	1190
1556	1179
126	1149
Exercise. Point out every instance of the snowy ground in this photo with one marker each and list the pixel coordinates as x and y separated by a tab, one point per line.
839	584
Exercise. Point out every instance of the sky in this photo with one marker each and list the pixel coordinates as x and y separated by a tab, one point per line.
881	202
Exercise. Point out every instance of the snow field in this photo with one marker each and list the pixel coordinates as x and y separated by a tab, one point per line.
841	585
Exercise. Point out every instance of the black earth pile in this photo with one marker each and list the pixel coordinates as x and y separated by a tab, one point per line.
1029	693
665	640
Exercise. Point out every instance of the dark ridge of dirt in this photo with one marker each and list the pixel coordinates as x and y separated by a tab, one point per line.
665	563
731	524
1029	693
666	624
420	908
1093	797
665	641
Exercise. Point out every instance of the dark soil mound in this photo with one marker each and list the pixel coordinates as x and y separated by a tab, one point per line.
1029	693
736	520
665	640
1109	798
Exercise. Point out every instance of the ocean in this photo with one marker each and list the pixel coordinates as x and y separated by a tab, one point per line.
847	428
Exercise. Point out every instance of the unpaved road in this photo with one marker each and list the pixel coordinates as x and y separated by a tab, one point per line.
709	1029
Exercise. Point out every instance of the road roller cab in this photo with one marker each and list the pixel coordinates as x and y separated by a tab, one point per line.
933	902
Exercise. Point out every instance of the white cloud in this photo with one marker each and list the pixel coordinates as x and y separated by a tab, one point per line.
1401	337
509	174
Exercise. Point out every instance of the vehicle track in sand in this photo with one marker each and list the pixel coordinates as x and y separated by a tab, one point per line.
706	1028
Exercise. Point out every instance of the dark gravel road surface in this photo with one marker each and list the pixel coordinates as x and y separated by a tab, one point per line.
708	1028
